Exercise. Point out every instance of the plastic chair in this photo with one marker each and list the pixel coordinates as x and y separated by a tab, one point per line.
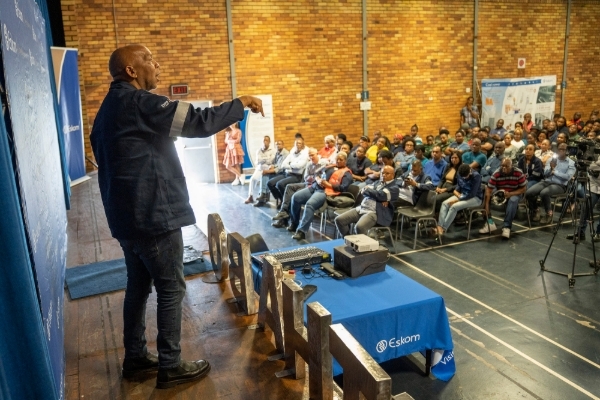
377	228
423	211
326	211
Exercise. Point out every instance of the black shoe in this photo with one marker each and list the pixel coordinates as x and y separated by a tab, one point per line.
280	215
299	236
259	204
280	223
596	237
278	203
133	366
292	227
572	236
187	371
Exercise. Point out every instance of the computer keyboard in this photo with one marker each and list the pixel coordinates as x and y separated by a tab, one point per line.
296	258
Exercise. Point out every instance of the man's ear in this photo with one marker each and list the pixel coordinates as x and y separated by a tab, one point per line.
130	71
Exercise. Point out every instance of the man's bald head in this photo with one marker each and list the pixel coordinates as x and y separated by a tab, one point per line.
123	57
134	64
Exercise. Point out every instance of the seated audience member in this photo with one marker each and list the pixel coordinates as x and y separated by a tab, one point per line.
519	125
442	130
414	184
388	144
363	142
587	128
435	168
498	132
376	208
577	121
513	183
594	115
545	125
336	180
487	143
274	168
341	138
449	180
384	158
474	157
375	149
467	194
518	139
474	135
328	151
527	122
540	138
376	135
443	143
264	157
596	127
510	151
458	145
405	158
493	163
544	153
557	173
313	169
420	154
293	166
346	147
469	114
552	132
397	144
561	125
573	133
429	143
560	138
358	164
590	135
532	167
414	133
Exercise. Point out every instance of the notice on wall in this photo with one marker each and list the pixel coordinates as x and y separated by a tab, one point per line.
510	99
254	128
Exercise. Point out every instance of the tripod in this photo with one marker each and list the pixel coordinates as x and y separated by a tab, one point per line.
581	176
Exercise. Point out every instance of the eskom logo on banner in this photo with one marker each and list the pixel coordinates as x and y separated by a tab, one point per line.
382	345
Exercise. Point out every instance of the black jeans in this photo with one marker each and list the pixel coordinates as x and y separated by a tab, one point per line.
158	258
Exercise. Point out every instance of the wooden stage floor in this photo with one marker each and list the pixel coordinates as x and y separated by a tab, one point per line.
518	332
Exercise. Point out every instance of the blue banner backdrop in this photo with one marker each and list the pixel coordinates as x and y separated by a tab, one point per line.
37	160
69	102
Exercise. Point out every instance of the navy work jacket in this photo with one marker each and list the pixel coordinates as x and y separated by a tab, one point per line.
141	180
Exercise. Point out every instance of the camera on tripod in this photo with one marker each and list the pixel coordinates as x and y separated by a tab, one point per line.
585	151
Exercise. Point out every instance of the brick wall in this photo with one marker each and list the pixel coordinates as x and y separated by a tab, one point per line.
308	55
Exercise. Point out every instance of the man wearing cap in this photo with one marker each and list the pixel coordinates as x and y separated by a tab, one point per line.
397	144
376	208
513	183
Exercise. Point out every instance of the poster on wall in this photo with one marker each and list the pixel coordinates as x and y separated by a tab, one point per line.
254	128
510	99
66	75
38	163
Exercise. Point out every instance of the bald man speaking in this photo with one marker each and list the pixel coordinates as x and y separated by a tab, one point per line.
146	201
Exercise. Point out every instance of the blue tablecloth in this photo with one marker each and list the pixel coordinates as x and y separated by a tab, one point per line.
389	314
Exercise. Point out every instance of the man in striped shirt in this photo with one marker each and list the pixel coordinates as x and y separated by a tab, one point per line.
513	182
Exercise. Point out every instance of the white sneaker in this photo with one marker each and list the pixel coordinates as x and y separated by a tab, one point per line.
492	227
242	179
235	182
506	233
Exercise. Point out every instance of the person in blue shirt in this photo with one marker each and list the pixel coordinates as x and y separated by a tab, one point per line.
493	163
459	145
146	202
557	173
435	168
467	194
475	158
405	158
499	131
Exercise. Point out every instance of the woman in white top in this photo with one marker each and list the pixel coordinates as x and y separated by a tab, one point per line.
544	153
510	151
518	138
